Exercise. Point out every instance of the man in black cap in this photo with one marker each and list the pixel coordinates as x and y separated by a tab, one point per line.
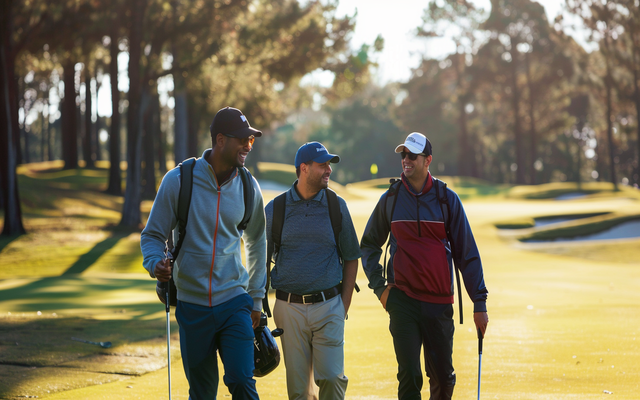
219	300
426	235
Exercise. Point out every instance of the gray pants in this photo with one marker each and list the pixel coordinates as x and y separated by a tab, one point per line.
313	345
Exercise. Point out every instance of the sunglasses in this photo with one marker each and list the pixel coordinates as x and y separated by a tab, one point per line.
245	141
411	156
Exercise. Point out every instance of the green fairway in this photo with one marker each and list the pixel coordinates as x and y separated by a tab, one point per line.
563	315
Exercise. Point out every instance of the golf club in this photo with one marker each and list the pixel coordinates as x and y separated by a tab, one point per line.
479	359
168	309
104	345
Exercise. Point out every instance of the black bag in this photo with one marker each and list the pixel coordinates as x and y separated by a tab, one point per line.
184	202
266	355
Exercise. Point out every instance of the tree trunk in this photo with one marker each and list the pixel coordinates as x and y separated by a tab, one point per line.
97	127
517	130
181	121
149	144
115	175
49	140
608	81
636	98
44	126
463	138
8	177
193	125
69	118
533	132
610	144
27	145
88	152
162	147
131	207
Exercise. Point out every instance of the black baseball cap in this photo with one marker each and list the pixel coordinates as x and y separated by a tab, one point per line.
231	122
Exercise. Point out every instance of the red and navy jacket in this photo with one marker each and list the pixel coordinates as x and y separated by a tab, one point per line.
420	262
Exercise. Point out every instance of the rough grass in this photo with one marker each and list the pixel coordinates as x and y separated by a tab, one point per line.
563	317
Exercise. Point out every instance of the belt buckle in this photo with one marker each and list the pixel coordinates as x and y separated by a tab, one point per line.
304	298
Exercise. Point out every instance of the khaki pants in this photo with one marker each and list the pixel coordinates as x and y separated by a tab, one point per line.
313	346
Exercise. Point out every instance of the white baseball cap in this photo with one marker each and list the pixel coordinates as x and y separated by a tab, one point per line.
417	143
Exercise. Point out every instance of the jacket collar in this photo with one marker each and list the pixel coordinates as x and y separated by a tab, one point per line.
428	184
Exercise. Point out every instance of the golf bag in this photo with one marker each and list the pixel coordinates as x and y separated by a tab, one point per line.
184	202
266	355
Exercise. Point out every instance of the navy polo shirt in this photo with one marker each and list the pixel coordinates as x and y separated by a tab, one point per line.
308	259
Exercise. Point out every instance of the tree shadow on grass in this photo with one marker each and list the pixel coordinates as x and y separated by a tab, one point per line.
88	259
6	240
37	353
127	297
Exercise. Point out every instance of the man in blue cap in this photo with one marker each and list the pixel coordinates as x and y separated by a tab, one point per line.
314	277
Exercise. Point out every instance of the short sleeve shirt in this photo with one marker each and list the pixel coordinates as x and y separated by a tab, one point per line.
308	259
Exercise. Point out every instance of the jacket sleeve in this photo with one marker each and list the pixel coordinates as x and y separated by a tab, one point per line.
466	255
374	237
162	220
256	249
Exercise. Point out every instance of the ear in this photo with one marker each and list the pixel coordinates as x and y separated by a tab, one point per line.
427	161
219	140
304	168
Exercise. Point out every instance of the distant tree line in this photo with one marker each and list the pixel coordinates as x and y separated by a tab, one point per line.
519	101
54	57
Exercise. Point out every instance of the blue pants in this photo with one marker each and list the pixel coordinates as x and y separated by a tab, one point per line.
415	324
225	328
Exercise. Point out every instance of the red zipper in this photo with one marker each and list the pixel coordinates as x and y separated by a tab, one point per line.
215	238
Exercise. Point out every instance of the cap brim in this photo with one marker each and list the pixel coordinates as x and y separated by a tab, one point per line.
409	146
246	132
327	157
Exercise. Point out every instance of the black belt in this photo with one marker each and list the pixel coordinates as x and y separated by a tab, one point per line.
310	298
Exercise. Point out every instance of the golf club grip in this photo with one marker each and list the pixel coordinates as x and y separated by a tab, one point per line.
480	341
167	296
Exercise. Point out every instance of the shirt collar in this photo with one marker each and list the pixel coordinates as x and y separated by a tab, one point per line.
296	197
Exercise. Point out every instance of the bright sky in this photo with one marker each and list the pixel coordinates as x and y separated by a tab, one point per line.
397	24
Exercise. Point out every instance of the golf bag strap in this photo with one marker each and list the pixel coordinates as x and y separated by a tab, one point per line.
336	222
279	208
393	191
446	214
184	201
247	190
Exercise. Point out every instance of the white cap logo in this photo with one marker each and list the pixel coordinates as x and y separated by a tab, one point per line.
243	118
415	142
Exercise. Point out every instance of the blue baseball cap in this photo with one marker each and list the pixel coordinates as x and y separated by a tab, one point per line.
314	151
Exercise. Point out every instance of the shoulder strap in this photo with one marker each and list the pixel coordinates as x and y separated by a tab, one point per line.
445	208
247	189
336	218
184	201
335	215
394	186
279	208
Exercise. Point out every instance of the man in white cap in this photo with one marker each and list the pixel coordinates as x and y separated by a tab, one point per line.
314	276
429	231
